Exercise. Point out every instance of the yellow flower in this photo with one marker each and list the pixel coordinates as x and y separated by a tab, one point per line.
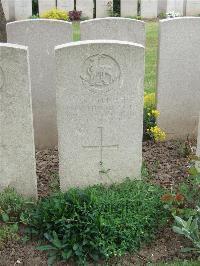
149	100
157	133
55	13
155	113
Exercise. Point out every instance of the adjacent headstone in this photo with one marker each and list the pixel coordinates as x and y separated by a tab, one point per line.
23	9
197	162
41	36
17	154
193	8
45	5
65	4
123	29
149	8
99	111
178	94
102	7
11	10
162	6
176	6
129	8
86	6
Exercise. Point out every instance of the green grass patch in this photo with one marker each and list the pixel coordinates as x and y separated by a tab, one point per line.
98	222
151	56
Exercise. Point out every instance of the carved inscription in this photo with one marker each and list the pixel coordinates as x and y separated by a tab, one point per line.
2	78
100	73
101	146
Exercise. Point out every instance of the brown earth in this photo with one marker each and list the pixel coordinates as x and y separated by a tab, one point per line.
166	165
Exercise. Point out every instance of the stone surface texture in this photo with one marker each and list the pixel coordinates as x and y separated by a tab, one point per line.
123	29
193	8
65	4
17	151
129	8
178	94
99	111
45	5
176	6
102	8
41	36
86	7
23	9
149	8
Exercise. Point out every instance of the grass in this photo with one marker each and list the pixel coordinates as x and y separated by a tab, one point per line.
150	56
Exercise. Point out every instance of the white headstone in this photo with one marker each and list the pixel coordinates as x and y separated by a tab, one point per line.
41	36
123	29
99	111
176	6
86	6
17	154
46	5
5	5
129	8
65	5
11	9
162	6
193	8
102	8
23	9
178	94
149	8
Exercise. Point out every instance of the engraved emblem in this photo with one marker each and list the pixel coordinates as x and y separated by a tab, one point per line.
100	73
1	78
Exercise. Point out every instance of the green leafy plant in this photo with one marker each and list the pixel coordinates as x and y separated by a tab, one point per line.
8	233
191	229
162	15
12	206
98	222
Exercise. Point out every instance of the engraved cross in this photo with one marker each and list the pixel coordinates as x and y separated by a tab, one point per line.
101	146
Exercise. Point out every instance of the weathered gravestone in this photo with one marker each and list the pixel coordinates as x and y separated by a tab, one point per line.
46	5
193	8
41	36
99	111
102	9
129	8
178	94
67	5
123	29
23	9
149	8
86	6
162	6
17	155
176	6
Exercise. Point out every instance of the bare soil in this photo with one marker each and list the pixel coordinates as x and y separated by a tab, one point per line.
166	165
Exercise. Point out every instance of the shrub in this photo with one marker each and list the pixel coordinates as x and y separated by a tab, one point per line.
8	233
98	222
162	15
56	14
12	205
75	15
